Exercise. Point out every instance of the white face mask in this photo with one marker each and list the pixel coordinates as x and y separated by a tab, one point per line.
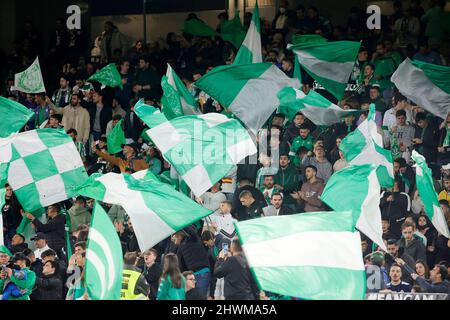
282	10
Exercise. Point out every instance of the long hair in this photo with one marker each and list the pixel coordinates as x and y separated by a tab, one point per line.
427	270
172	269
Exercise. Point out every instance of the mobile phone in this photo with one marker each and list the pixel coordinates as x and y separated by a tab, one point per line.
225	248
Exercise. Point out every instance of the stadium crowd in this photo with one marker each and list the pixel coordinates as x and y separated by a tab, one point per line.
205	260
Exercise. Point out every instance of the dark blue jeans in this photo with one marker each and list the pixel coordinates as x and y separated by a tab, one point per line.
202	281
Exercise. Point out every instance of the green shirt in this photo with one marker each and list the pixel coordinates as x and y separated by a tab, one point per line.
298	142
167	291
26	284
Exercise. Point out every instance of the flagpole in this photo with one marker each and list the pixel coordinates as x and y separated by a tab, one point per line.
144	14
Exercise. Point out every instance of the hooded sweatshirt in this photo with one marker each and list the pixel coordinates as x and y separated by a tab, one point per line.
313	191
78	216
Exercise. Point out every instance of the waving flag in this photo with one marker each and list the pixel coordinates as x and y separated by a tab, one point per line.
104	264
424	180
365	146
108	76
313	105
329	63
17	114
250	50
314	255
428	85
30	80
249	90
203	149
44	168
361	196
155	208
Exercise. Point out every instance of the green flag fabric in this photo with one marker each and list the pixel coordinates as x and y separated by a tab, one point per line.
313	255
314	106
427	193
2	203
365	146
17	114
176	101
44	168
203	148
155	208
428	85
198	28
248	90
108	76
104	264
116	138
329	63
361	197
250	50
149	114
233	31
30	80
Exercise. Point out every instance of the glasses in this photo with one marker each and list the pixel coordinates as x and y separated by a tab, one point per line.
191	279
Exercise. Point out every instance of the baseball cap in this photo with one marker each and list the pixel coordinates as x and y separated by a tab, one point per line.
39	236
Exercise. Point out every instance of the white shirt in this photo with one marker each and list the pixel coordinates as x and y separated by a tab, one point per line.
38	252
390	120
225	224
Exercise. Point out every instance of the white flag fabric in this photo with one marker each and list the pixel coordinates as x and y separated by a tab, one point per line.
30	80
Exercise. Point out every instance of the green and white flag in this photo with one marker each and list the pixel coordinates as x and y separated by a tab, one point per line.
365	146
149	114
250	50
155	208
427	193
427	84
361	197
177	100
30	80
5	158
313	255
329	63
44	167
314	106
17	114
202	149
2	203
104	264
108	76
116	138
248	90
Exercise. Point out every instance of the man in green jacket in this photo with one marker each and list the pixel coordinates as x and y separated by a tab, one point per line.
17	284
287	180
305	139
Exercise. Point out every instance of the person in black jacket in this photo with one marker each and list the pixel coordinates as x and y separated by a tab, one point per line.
54	229
11	215
253	209
49	285
426	138
193	256
133	126
36	264
233	267
99	115
192	293
50	255
18	243
214	243
152	271
395	205
238	209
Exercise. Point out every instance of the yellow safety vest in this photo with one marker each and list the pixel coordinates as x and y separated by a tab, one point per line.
129	281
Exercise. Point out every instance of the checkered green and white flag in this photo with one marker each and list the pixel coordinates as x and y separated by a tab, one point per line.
202	148
44	167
